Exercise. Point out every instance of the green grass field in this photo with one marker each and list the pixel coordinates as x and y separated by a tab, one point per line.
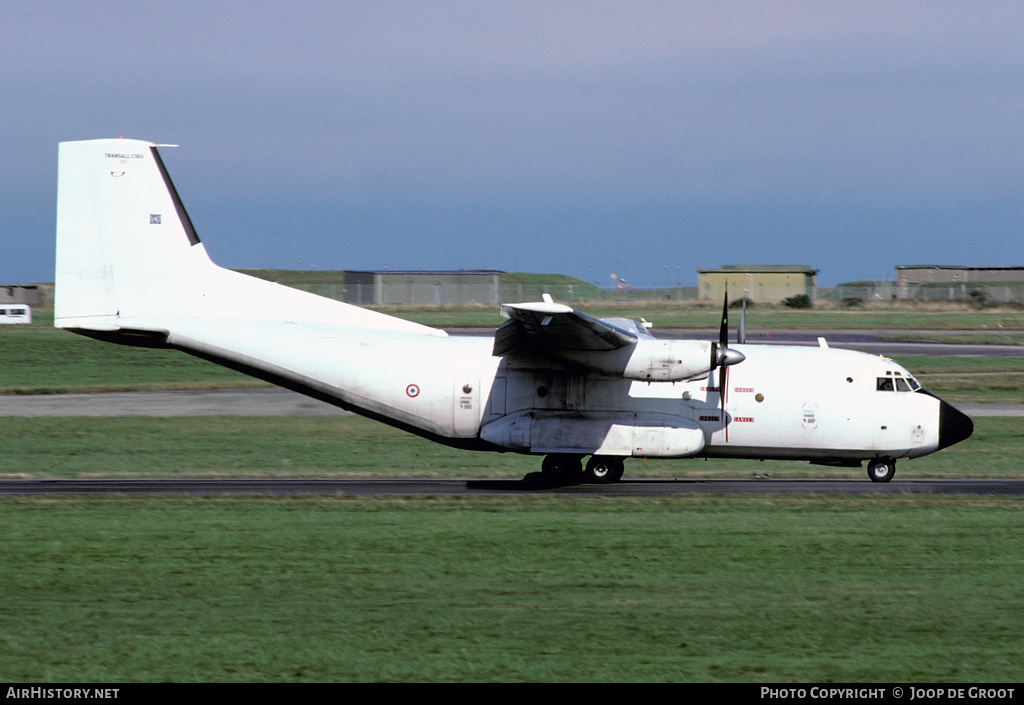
916	589
890	589
44	360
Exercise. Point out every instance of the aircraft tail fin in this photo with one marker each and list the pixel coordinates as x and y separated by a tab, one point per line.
121	232
129	258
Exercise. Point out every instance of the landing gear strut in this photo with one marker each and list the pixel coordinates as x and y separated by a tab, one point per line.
881	469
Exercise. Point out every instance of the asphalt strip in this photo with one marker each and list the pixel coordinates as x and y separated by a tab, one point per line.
244	402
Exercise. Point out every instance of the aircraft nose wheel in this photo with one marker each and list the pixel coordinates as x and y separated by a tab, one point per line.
881	469
604	469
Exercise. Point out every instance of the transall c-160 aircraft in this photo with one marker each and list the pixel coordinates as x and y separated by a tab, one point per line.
553	382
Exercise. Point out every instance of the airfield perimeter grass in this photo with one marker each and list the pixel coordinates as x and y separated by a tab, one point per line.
40	360
882	589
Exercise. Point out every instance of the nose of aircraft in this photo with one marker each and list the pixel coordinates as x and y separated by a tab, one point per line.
954	425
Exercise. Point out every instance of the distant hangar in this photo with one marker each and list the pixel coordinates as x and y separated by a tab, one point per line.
936	282
759	283
393	287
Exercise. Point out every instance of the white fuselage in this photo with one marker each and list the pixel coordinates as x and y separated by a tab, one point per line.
781	401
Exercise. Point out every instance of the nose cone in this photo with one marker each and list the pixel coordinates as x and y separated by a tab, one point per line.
954	425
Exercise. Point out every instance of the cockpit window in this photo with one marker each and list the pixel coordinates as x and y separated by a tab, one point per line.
897	382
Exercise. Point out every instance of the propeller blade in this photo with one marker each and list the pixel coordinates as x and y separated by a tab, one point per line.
721	355
723	342
741	331
723	330
723	373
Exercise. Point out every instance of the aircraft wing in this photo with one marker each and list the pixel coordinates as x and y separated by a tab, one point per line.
551	328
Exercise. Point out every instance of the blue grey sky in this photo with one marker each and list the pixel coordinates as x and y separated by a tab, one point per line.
644	139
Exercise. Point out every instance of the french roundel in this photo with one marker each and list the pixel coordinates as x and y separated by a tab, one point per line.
413	390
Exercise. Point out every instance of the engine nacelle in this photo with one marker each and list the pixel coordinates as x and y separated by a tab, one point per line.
650	360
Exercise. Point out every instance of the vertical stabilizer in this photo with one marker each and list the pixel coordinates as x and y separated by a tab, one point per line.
128	257
122	234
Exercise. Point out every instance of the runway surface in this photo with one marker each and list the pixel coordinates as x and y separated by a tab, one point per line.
428	487
244	402
231	402
876	342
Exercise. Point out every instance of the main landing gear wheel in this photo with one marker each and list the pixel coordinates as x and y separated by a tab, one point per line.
604	469
562	467
881	469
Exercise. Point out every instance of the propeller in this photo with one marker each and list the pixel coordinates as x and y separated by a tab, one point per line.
722	356
723	350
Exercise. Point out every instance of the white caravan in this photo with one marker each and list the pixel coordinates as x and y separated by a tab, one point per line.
15	313
553	381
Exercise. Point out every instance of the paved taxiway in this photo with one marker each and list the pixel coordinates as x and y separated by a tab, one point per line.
625	488
876	342
244	402
234	402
